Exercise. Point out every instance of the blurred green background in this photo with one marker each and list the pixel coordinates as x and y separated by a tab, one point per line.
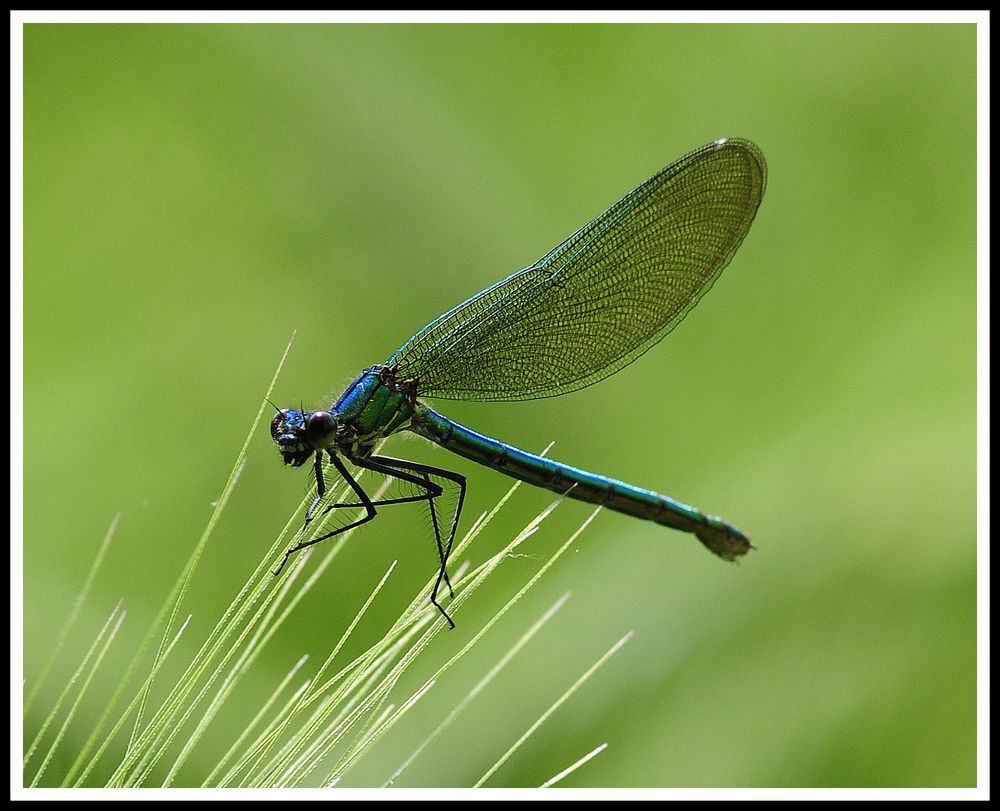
195	193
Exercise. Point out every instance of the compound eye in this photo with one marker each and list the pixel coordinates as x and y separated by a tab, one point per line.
320	426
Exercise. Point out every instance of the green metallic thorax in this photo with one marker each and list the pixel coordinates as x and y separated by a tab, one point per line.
373	407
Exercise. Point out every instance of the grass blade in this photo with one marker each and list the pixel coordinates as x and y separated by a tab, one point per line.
83	689
478	688
570	769
74	613
121	720
559	702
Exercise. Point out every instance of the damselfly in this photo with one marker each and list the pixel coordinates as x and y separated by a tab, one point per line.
583	311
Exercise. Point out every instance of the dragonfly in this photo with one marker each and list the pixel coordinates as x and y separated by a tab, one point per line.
587	308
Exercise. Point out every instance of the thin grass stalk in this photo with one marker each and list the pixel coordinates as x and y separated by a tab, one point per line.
179	589
570	769
480	686
74	613
258	717
462	593
336	649
558	703
79	696
69	686
121	720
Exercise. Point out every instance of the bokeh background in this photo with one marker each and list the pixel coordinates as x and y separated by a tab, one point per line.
194	193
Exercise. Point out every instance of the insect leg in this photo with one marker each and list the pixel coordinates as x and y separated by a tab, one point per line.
444	548
365	502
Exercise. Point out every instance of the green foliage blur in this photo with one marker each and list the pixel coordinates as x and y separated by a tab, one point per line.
194	193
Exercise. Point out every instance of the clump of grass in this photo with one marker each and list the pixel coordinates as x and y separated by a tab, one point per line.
309	732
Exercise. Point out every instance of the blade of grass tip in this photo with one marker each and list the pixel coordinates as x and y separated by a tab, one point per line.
258	716
74	613
370	730
306	761
304	756
258	772
266	775
177	592
366	689
369	689
403	631
265	609
422	605
361	671
266	627
353	624
121	720
252	649
262	740
69	686
480	686
463	592
372	707
230	680
334	732
375	731
151	743
570	769
79	697
386	648
559	702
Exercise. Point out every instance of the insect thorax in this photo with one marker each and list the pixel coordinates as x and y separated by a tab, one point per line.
376	405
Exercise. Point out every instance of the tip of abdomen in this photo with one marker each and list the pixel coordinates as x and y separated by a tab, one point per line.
723	539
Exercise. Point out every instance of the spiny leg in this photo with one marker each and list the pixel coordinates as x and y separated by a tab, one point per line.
321	491
365	502
431	491
320	487
400	469
437	536
444	550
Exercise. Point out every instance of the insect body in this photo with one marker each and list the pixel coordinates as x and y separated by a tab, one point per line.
583	311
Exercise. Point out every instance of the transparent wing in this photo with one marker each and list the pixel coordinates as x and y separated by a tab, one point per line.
604	296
